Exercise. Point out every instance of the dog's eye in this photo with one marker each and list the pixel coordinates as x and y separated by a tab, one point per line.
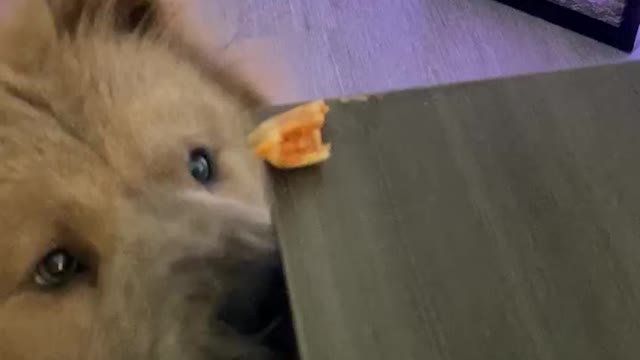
56	269
202	167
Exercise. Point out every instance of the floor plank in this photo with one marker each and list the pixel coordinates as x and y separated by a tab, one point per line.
338	47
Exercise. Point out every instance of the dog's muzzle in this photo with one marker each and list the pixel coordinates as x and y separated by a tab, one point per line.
258	306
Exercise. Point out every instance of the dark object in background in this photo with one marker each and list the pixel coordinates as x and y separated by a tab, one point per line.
614	22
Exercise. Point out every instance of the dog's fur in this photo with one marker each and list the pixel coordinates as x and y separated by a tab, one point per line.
101	102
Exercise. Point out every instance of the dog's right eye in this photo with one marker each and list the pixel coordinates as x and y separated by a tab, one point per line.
202	166
56	269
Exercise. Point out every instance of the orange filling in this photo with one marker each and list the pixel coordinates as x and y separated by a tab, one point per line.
293	139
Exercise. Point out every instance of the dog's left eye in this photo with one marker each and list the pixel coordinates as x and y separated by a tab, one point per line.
202	167
56	269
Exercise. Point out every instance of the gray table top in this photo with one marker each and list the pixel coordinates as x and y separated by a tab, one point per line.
489	220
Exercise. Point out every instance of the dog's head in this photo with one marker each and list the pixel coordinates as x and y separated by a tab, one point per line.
133	220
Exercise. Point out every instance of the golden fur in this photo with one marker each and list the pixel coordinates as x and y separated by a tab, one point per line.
100	104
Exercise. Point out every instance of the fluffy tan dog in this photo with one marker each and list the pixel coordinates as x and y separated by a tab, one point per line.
133	220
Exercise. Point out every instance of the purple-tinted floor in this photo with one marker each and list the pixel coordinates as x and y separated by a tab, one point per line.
338	47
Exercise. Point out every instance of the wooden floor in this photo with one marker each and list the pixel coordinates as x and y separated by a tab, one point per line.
336	47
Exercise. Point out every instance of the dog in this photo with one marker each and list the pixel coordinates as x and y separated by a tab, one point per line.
134	218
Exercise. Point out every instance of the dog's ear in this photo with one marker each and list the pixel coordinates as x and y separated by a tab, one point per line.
178	23
72	16
30	29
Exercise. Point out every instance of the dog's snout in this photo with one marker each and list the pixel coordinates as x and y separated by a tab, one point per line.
257	299
248	240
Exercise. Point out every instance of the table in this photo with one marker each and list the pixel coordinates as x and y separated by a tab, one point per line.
489	220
